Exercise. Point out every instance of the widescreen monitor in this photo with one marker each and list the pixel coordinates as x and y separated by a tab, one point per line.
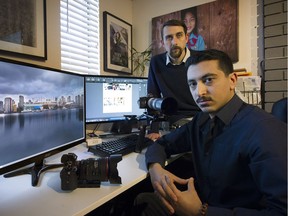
110	99
42	112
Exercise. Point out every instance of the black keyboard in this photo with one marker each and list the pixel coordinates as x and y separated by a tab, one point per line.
123	145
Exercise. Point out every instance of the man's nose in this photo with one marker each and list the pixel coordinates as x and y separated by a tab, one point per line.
201	89
175	40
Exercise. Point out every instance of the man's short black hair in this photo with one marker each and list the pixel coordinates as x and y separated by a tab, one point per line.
174	22
224	61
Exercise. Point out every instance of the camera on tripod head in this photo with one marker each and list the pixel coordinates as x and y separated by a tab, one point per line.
166	106
158	110
88	172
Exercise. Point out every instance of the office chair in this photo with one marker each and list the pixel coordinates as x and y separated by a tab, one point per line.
279	109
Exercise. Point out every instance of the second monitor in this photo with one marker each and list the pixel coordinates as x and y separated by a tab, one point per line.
110	99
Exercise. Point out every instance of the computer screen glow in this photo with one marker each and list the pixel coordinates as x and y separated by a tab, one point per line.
111	98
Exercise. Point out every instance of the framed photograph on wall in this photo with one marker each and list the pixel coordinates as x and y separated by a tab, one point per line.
211	25
117	35
23	28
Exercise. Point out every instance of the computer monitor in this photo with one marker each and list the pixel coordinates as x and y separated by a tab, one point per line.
110	99
41	114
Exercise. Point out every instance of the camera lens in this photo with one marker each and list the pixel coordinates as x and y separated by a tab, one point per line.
167	105
101	169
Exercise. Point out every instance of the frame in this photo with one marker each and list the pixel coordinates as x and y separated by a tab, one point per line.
117	44
216	27
25	34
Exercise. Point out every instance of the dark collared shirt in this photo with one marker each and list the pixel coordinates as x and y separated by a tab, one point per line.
244	171
222	118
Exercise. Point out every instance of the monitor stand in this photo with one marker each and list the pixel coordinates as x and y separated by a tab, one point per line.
34	171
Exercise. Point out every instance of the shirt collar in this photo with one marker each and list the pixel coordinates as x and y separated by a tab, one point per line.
187	55
227	113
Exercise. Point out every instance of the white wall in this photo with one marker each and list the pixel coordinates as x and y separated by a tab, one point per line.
144	11
139	13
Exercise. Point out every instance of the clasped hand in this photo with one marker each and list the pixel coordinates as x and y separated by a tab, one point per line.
181	202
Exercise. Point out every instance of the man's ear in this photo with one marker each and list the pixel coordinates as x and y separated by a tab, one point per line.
233	80
187	38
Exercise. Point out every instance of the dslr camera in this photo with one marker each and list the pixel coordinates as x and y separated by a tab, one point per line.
88	172
167	105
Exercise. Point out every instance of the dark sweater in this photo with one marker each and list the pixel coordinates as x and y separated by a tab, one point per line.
171	81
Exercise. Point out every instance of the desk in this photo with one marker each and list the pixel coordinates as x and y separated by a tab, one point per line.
18	197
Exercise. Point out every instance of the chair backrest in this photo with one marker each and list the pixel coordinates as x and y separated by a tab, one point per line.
279	109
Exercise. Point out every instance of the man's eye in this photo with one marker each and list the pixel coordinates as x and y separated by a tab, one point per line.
192	84
169	38
208	80
179	35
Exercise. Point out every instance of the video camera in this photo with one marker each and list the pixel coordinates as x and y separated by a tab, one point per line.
89	172
158	110
167	105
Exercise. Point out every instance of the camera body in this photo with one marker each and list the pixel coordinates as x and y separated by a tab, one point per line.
143	102
88	172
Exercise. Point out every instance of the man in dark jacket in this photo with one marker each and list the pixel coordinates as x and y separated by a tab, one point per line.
239	152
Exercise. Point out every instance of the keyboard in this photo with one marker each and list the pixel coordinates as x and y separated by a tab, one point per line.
123	145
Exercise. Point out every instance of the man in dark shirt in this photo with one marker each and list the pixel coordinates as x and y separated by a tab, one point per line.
239	152
167	72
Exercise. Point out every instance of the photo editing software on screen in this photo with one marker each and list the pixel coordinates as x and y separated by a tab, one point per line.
111	98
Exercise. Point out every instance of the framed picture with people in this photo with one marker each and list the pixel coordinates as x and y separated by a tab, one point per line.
211	25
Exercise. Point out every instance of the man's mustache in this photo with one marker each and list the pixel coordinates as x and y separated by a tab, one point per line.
203	99
175	47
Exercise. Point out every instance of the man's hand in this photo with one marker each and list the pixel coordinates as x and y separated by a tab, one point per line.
153	136
182	202
187	202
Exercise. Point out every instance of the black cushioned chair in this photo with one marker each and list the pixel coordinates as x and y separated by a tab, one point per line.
279	109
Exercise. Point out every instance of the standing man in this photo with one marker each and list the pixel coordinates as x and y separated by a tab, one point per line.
239	152
167	71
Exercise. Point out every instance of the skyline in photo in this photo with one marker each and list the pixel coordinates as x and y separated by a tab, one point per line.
37	83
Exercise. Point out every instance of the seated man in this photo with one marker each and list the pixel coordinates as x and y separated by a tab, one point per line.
239	152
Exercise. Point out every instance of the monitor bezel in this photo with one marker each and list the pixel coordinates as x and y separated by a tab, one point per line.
36	159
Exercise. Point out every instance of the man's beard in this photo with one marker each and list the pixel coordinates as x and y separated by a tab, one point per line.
175	52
